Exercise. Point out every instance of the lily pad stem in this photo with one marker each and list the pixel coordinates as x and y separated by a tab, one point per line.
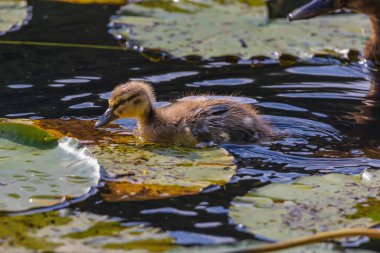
319	237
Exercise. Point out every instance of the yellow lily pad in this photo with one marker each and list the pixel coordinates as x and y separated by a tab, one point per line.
84	131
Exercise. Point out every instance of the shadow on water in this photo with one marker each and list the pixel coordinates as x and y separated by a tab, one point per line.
329	112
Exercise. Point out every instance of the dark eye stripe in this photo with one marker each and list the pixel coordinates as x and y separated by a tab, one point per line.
124	101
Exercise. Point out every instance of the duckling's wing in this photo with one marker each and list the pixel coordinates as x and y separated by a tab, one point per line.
206	122
216	110
224	121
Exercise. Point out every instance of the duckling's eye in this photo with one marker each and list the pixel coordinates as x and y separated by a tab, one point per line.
123	101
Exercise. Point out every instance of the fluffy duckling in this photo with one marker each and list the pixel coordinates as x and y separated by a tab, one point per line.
186	123
368	7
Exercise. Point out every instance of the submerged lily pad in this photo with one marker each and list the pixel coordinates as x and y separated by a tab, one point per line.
13	14
37	170
310	205
19	231
213	28
142	171
81	232
67	232
93	1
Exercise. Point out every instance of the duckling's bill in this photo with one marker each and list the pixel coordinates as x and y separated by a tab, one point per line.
106	118
315	8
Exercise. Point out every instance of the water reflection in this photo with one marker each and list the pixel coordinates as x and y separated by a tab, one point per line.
19	86
332	70
76	80
222	82
169	76
70	97
368	111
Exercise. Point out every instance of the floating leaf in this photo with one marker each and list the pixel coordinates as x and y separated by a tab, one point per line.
37	170
84	131
93	1
153	171
147	171
83	232
27	135
93	233
67	232
310	205
13	14
213	28
19	231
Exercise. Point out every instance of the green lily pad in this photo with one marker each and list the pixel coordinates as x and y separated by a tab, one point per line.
214	28
142	171
18	231
94	233
13	14
80	232
67	232
154	171
310	205
37	170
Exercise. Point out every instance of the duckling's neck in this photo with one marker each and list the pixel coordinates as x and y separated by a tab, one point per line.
372	50
147	117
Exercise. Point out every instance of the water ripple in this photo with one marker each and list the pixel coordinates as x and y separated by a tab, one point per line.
298	163
20	86
169	210
282	106
222	82
298	127
169	76
331	70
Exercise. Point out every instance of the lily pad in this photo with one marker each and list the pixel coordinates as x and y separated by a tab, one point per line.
93	1
214	28
13	14
153	171
19	231
142	171
81	232
38	170
310	205
67	232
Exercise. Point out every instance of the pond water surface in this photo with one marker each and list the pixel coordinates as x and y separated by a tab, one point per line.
329	109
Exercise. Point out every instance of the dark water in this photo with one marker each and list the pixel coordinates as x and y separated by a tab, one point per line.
329	109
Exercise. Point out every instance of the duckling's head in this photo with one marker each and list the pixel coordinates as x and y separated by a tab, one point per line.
131	100
319	7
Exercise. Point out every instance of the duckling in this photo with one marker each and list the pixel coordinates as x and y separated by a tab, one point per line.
368	7
186	123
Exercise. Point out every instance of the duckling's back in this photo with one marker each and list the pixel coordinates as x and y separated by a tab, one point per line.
216	120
